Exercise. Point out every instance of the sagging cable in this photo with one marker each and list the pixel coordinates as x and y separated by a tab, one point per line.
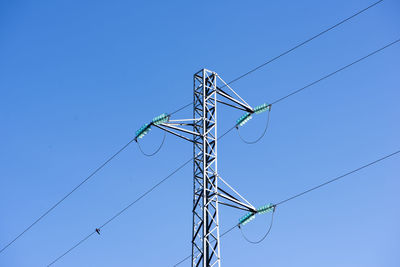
263	209
252	214
145	129
248	115
156	151
259	109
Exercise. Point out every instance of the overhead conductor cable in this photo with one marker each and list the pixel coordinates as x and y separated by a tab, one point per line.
147	127
189	104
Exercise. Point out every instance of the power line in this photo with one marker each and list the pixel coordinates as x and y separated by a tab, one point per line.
187	105
294	48
132	203
305	42
181	108
313	83
69	250
67	195
123	210
315	188
154	152
264	236
261	136
332	73
337	178
145	193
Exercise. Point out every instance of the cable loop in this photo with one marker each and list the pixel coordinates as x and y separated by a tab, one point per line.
265	236
259	138
155	152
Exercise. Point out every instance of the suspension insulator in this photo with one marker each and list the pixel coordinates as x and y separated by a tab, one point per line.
143	130
160	119
243	119
266	208
261	108
247	218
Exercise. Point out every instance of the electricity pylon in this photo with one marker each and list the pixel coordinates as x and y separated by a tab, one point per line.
201	130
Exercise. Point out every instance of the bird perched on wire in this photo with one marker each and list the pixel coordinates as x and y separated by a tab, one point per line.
98	230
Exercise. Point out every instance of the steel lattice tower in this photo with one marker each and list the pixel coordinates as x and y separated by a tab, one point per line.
205	235
201	130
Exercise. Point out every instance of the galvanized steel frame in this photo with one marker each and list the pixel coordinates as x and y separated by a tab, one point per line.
205	232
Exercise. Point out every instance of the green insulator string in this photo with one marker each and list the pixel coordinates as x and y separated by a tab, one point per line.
262	108
143	130
266	208
259	138
247	218
147	127
160	119
265	235
244	119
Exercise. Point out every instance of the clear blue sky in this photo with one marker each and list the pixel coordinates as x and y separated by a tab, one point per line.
78	78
